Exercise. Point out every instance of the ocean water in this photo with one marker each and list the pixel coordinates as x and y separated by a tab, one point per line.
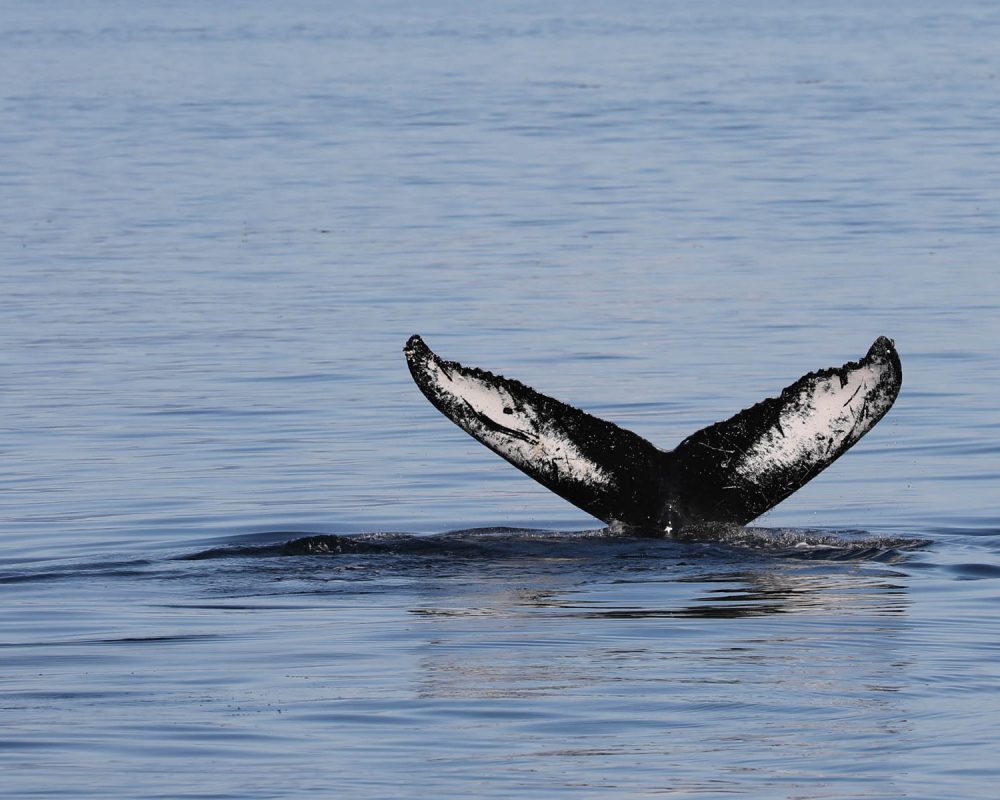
242	557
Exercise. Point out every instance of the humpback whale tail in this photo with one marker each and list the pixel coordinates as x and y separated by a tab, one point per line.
729	472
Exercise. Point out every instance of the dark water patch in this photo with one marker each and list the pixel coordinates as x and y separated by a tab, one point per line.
116	640
108	569
23	744
707	611
957	527
974	571
187	637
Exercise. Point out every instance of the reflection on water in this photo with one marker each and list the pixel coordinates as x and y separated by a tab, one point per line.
683	667
525	657
586	606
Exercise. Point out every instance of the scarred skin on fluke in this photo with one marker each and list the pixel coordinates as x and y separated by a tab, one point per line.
730	472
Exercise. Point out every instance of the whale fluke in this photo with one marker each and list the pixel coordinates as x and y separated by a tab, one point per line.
729	472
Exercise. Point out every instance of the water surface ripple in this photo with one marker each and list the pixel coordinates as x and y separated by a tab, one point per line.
241	556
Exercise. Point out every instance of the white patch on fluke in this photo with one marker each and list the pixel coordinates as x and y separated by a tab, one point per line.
823	418
530	442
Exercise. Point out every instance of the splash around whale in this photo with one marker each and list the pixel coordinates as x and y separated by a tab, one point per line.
728	473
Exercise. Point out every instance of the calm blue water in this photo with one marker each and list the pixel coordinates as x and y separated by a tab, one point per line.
221	222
